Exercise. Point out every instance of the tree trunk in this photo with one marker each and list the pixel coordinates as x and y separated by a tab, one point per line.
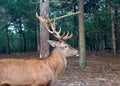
20	42
113	34
82	60
8	41
22	39
116	28
38	36
44	35
20	36
75	31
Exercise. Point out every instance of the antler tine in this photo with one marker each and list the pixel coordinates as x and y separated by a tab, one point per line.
39	17
52	27
46	22
54	22
67	36
45	15
57	34
63	34
59	30
63	37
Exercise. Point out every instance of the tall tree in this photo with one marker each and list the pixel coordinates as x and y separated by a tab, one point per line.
116	24
82	60
44	35
22	39
8	40
75	31
113	32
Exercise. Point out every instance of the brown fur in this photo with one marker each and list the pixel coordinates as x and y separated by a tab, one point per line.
37	72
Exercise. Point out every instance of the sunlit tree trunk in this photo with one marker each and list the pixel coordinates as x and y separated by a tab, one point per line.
44	35
82	60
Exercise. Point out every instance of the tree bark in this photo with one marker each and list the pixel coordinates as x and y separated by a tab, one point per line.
20	36
116	28
38	37
113	33
82	60
44	35
75	31
22	39
8	41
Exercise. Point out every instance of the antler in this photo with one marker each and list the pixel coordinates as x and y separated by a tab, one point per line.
46	21
63	37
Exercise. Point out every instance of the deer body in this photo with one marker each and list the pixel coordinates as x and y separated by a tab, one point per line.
36	72
24	72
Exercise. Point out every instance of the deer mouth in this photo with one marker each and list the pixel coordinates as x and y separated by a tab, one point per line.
77	55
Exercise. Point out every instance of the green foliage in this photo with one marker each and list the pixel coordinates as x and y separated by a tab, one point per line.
11	13
17	14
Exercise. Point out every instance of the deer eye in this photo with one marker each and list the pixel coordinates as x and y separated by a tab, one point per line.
65	46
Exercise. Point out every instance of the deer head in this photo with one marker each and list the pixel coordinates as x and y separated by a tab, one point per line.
65	49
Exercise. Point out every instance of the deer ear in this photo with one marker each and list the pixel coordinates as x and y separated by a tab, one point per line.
53	43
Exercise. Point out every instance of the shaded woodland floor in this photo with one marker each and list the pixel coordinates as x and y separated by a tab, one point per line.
101	70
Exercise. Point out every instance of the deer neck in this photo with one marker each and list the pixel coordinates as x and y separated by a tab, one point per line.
58	61
62	57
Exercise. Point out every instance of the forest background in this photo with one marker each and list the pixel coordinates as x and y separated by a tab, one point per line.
18	24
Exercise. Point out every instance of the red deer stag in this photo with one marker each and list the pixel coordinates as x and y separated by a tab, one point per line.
38	72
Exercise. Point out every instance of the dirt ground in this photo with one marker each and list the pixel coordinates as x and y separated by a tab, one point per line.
101	70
